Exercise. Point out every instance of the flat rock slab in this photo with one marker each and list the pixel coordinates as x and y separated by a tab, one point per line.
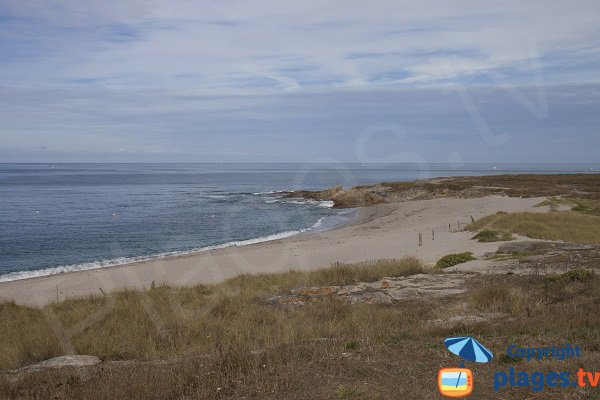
385	291
63	361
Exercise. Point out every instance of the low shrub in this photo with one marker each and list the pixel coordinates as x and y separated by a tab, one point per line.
455	259
574	275
491	235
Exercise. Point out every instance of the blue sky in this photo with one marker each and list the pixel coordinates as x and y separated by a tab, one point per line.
310	81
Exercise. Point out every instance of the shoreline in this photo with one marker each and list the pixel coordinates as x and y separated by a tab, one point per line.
379	231
115	262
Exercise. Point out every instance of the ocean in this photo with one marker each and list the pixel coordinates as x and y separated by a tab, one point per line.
65	217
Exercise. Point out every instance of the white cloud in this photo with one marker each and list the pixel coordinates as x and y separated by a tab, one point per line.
218	78
285	46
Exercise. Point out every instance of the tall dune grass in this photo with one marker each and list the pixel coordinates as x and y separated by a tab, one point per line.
235	346
227	317
567	226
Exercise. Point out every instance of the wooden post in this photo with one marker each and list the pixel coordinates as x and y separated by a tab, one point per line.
472	220
449	228
57	294
433	234
420	239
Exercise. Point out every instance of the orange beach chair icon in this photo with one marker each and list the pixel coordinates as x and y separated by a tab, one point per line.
455	382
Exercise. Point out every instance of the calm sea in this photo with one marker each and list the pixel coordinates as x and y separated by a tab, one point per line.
61	217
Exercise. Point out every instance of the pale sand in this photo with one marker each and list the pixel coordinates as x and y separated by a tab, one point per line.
383	231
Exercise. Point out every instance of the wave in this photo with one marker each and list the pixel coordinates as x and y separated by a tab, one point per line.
269	196
319	203
276	196
318	224
269	192
13	276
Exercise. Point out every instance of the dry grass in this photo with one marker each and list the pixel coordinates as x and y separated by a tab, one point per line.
534	185
584	206
503	298
584	186
567	226
228	317
273	353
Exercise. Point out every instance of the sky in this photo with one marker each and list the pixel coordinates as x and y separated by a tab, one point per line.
299	81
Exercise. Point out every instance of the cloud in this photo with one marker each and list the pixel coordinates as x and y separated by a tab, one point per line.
281	46
295	81
78	124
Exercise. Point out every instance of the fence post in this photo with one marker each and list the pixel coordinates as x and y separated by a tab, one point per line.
420	239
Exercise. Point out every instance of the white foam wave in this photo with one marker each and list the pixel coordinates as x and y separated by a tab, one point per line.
321	203
13	276
326	203
318	224
269	192
128	260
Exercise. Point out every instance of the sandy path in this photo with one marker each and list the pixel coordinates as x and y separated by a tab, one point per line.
384	231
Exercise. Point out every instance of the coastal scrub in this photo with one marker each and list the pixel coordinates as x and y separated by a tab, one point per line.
451	260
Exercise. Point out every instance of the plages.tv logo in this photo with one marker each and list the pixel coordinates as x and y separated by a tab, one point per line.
458	382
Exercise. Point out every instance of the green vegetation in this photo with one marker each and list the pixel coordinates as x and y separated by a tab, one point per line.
506	359
451	260
491	235
344	392
568	226
352	345
574	275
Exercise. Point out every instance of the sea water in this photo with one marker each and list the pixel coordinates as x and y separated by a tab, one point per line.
63	217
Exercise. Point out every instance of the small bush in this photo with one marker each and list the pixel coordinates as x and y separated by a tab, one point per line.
491	235
455	259
352	345
506	359
343	392
574	275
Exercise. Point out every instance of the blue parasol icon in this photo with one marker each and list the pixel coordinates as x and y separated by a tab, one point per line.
468	349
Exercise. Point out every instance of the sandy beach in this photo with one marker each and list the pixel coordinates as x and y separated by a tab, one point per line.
381	231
